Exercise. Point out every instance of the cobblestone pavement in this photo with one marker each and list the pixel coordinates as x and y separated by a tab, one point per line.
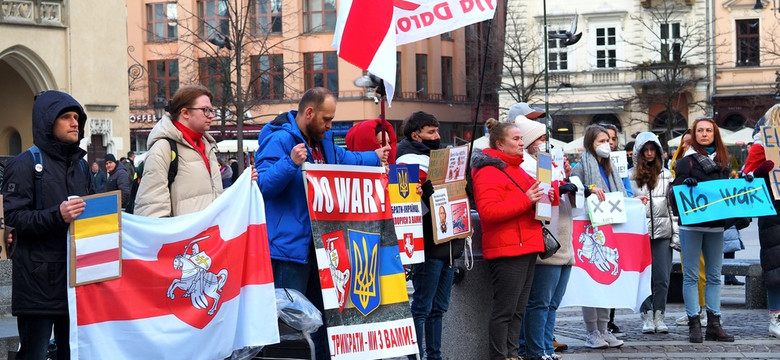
749	328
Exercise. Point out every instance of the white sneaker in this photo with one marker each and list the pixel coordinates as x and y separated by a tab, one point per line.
594	340
658	321
682	320
611	340
774	325
648	326
703	318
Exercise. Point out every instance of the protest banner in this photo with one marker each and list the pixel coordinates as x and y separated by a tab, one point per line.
612	263
621	162
771	141
450	208
610	211
723	199
96	241
448	165
407	212
196	286
363	281
544	174
417	20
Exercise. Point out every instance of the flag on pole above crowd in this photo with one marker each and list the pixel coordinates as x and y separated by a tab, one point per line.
196	286
365	35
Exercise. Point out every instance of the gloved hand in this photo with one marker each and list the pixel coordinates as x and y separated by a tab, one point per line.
749	177
567	188
764	169
690	182
587	191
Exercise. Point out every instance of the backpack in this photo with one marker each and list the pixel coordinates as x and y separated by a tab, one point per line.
35	152
173	169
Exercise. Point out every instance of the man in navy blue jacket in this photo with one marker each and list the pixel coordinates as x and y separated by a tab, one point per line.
39	298
285	144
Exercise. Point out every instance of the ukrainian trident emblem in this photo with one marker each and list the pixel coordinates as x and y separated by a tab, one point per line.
402	173
365	262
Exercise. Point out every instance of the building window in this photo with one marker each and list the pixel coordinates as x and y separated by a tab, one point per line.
163	79
268	77
558	56
398	91
421	71
161	22
321	69
319	15
214	18
747	43
606	47
266	17
446	77
211	73
671	43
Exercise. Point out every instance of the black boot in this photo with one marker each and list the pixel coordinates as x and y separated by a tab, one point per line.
694	329
714	330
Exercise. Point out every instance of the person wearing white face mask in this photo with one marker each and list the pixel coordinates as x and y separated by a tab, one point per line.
599	175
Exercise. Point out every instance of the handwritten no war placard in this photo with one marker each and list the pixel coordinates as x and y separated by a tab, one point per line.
723	199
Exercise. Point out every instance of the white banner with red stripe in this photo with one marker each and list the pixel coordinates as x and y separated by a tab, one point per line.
197	286
612	263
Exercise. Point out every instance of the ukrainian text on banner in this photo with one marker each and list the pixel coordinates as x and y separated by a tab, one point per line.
95	240
419	19
407	212
612	263
771	139
723	199
363	282
197	286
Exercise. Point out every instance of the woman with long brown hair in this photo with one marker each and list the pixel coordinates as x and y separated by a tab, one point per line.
706	159
650	181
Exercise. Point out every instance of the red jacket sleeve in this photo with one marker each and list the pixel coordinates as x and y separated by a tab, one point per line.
497	198
754	159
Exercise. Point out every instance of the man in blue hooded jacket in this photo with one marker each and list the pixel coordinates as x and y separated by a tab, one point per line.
39	289
285	143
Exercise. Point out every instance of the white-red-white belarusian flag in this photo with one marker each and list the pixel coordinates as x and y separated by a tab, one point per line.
364	37
197	286
420	19
612	263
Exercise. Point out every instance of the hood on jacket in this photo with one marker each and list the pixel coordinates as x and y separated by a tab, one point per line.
48	105
283	121
641	140
479	160
362	137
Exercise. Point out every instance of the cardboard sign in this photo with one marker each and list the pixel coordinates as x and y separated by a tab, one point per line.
610	211
407	212
96	240
451	213
448	165
544	167
723	199
771	139
621	162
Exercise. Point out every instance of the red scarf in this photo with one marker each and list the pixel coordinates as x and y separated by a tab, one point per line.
196	140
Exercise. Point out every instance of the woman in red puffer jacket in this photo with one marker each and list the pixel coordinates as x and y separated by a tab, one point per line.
505	196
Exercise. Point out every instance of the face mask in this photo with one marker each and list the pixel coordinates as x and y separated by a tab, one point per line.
603	150
544	147
432	144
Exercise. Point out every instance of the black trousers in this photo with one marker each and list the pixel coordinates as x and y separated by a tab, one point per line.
35	332
511	278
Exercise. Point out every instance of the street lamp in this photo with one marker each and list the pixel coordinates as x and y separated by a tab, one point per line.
571	37
159	107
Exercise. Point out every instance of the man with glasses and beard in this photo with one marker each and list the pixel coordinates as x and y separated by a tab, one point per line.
285	143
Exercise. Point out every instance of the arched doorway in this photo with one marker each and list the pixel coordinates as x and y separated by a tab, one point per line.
734	122
607	119
667	121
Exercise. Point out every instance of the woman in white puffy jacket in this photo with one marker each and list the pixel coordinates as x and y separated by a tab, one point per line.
650	181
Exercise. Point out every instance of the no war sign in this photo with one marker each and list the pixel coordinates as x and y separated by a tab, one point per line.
723	199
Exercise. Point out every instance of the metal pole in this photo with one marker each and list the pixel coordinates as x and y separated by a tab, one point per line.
548	119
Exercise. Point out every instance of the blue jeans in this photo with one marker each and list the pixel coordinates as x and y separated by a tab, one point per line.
710	246
35	332
773	298
305	278
536	338
432	282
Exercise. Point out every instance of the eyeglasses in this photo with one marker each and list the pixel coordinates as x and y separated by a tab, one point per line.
206	111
